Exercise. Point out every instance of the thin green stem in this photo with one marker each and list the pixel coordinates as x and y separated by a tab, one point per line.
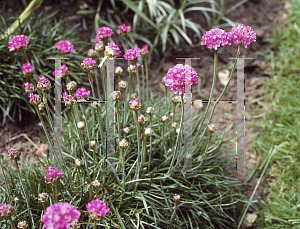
137	77
54	194
97	83
146	67
150	153
205	152
91	83
130	79
11	223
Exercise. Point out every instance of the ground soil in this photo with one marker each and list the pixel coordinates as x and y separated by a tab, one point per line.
263	16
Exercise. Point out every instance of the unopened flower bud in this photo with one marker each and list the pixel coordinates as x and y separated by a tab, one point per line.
81	125
175	100
163	81
17	200
14	154
177	131
122	84
91	53
72	86
77	163
92	144
133	96
22	225
148	132
211	128
96	184
144	169
142	120
169	151
150	110
83	117
171	115
174	125
41	106
118	70
126	130
96	105
176	197
43	197
164	118
123	144
116	95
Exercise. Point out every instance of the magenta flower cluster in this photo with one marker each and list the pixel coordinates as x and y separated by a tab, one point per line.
145	50
124	30
60	216
68	99
135	105
176	80
17	42
132	54
34	99
14	153
53	175
43	84
27	69
63	69
104	32
112	50
88	64
97	209
82	94
242	34
65	46
29	88
98	45
6	210
216	37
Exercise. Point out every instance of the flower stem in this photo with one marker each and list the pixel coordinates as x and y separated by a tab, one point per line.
146	66
150	153
205	152
11	223
54	194
94	224
91	83
130	79
123	164
97	83
138	141
26	59
166	90
137	77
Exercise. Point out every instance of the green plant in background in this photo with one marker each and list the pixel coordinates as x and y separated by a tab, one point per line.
43	32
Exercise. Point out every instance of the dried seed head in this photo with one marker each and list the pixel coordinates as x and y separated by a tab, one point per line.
92	144
150	110
148	132
119	70
164	118
211	128
174	125
81	125
77	163
123	144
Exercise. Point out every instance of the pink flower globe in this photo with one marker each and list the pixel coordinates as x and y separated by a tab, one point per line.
97	209
65	46
216	37
242	34
17	42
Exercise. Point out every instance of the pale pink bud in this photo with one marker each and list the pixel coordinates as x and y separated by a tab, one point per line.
81	125
123	144
164	118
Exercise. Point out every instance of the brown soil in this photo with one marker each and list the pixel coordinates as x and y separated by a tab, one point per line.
262	15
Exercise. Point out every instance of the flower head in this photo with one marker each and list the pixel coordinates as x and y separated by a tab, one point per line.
95	105
34	99
88	64
118	70
29	88
150	110
96	184
60	216
148	132
92	144
116	95
122	84
132	54
164	118
6	210
68	99
17	42
242	34
211	128
97	209
82	94
216	37
64	71
91	53
27	69
142	120
176	78
135	105
112	50
145	50
22	225
124	30
132	68
98	45
72	86
104	33
80	125
174	125
14	154
77	163
65	46
43	197
123	144
53	175
43	84
126	130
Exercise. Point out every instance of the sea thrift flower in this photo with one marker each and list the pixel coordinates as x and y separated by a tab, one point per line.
164	118
65	46
122	84
82	94
88	64
135	105
77	163
216	37
104	33
174	125
43	197
242	34
97	209
68	99
43	84
6	210
64	71
133	96
41	106
123	144
81	125
176	198
142	119
96	184
171	115
132	54
27	69
148	132
34	99
150	110
92	144
118	70
53	175
145	50
126	130
16	42
116	95
112	50
29	88
211	128
99	45
60	216
72	86
124	30
96	105
22	225
14	154
133	68
176	80
91	53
